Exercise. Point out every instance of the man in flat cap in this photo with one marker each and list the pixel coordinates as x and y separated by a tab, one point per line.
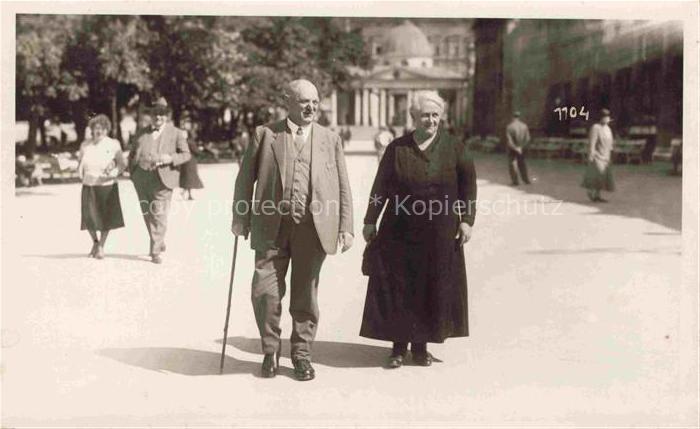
154	161
517	137
300	212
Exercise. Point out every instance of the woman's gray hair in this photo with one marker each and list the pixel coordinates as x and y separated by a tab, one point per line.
420	97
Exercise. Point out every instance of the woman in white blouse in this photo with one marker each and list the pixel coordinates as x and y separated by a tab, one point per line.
101	162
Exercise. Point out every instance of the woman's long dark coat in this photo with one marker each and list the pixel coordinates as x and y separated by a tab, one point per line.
417	283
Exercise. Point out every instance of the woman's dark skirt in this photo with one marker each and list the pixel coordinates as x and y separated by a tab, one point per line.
189	175
101	208
417	291
598	176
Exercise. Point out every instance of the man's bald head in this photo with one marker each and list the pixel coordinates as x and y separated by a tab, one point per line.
302	101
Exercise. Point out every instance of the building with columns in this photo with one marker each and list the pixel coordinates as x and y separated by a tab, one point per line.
408	56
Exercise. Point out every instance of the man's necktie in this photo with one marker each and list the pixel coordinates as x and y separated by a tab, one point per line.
299	139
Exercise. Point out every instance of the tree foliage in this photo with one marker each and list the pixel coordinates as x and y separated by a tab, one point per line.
86	64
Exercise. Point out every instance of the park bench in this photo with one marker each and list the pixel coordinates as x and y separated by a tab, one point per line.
647	134
630	150
487	144
576	148
546	147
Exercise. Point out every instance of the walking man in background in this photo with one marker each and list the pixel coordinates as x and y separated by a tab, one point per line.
517	136
301	211
154	162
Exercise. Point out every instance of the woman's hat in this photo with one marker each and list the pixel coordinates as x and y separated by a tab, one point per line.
604	112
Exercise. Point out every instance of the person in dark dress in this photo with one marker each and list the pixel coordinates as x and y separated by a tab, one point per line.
189	175
417	291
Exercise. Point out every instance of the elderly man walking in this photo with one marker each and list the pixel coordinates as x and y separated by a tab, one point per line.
154	163
517	136
301	211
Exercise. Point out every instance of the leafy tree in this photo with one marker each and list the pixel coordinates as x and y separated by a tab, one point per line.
121	44
41	78
283	49
195	62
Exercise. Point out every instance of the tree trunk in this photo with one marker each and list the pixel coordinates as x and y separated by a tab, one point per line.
30	145
116	129
80	121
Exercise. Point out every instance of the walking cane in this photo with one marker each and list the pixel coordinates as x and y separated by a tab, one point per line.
228	307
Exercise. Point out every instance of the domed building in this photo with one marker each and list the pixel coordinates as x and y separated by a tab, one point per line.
436	54
407	45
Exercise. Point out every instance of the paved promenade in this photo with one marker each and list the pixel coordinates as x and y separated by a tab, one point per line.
574	314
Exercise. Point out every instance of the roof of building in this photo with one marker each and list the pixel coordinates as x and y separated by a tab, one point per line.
406	41
389	72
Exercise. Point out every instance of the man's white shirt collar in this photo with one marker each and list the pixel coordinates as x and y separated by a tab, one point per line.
305	130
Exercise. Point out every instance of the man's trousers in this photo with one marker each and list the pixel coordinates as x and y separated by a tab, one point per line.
154	198
516	161
300	245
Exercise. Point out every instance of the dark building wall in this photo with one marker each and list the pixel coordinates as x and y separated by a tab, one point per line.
634	68
489	84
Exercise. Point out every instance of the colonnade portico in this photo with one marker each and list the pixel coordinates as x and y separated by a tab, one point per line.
377	106
384	99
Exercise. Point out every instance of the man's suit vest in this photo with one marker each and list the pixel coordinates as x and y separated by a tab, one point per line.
297	192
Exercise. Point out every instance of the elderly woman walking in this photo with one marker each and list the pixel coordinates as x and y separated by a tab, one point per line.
101	162
598	175
417	290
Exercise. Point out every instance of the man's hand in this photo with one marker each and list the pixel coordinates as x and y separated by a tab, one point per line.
165	159
345	240
369	232
464	233
240	230
519	150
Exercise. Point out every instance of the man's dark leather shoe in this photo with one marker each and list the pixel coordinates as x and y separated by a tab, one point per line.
303	371
156	259
423	359
270	365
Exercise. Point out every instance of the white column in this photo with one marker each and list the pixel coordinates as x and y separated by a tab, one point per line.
409	119
382	107
374	108
358	107
365	107
391	109
334	108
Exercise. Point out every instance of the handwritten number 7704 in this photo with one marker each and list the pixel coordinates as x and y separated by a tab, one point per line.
571	112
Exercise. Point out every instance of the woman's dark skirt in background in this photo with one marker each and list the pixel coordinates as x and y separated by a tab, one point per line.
598	176
101	208
189	175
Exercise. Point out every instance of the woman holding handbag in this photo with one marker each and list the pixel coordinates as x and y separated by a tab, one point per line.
417	290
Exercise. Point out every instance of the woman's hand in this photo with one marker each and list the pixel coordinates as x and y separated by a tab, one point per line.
369	232
464	234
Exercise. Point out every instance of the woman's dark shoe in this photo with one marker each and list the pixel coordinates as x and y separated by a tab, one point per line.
93	252
303	371
270	365
601	200
100	253
423	359
395	361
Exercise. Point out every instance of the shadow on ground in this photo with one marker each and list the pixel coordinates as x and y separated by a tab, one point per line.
643	191
614	250
329	353
180	361
85	256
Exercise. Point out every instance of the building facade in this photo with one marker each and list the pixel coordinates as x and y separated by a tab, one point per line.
633	68
407	56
